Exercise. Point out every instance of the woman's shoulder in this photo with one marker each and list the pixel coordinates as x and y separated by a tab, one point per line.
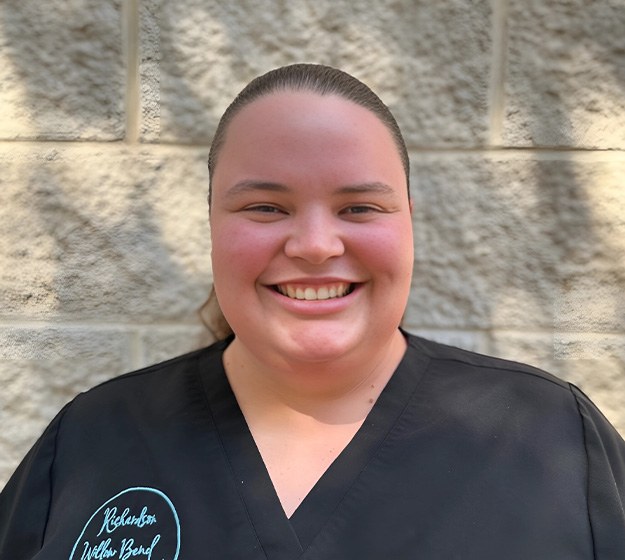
151	387
469	362
500	389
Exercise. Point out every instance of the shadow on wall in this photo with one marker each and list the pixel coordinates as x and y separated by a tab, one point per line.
571	96
434	81
62	73
195	85
88	243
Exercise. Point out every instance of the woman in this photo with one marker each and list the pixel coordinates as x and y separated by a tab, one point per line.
319	429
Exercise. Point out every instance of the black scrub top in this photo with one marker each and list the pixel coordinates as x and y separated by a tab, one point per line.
462	457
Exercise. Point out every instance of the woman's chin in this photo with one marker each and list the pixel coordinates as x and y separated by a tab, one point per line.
317	345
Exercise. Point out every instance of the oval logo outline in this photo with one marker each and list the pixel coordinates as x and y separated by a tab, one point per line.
126	491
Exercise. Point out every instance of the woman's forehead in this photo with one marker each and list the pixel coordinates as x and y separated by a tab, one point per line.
304	132
304	118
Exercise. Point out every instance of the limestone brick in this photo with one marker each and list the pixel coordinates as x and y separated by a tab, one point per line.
162	343
469	340
566	74
42	368
61	70
101	232
519	242
198	54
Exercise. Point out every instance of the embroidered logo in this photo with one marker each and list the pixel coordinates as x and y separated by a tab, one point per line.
138	523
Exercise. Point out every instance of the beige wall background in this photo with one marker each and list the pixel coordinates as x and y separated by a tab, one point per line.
513	110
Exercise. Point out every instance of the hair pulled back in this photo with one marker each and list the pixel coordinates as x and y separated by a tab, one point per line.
314	78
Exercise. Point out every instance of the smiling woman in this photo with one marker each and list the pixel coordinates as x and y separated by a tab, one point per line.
336	213
317	427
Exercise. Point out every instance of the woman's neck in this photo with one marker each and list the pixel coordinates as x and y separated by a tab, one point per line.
340	391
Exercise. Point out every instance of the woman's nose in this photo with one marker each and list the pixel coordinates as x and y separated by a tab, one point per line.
315	238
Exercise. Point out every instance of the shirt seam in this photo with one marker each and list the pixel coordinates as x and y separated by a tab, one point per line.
585	439
51	470
538	375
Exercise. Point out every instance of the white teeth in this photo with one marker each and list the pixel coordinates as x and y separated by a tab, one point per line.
312	294
323	293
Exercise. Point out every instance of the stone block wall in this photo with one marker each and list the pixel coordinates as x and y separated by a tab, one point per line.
513	110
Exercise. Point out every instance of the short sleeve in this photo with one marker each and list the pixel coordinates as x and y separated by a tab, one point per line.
25	500
605	451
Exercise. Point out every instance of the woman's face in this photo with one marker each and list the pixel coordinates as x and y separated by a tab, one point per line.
311	229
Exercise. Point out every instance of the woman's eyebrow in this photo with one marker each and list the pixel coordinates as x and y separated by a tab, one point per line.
251	185
357	188
374	187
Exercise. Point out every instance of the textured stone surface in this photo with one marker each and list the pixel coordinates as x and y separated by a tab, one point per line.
594	362
160	344
103	233
474	341
61	69
42	368
198	54
505	242
566	74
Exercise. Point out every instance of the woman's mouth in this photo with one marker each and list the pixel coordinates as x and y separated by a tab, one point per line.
313	293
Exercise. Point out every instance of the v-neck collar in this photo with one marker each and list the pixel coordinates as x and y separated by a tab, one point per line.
280	537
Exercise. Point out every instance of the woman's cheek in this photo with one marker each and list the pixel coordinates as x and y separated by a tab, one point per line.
240	244
387	246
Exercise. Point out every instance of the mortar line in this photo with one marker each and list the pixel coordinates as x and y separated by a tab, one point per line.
510	154
130	24
414	150
537	331
93	325
496	93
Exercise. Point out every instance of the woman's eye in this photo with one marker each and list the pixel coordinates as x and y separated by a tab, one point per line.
359	209
264	208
